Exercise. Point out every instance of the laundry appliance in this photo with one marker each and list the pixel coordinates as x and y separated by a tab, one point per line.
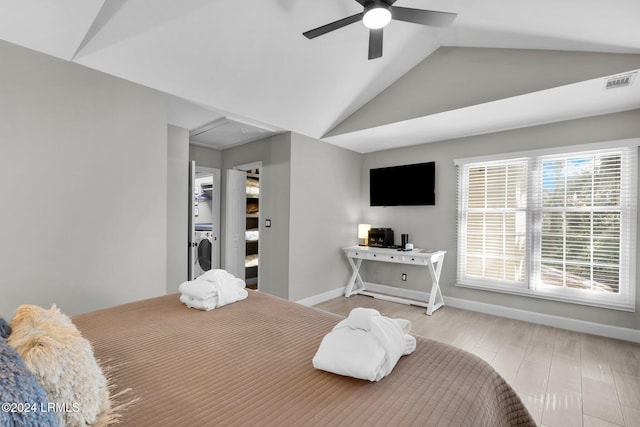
203	245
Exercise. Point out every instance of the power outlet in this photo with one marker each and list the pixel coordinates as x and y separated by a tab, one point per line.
404	277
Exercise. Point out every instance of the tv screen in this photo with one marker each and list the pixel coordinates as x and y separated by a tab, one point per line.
407	185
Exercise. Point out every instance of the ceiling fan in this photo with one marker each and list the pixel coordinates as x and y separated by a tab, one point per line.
377	14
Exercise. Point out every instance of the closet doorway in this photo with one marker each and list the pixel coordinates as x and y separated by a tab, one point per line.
242	248
204	220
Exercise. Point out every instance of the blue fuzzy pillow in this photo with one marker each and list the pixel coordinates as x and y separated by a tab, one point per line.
5	329
18	387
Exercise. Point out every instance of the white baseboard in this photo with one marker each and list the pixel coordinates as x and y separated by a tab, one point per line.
593	328
326	296
397	292
583	326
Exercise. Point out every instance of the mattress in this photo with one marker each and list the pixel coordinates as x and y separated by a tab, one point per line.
249	364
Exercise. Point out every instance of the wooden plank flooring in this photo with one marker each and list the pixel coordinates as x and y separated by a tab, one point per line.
565	378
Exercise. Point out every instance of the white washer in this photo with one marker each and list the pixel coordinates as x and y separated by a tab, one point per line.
202	255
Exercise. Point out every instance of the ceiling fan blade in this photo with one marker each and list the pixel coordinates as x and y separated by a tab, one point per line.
363	2
333	26
424	17
375	43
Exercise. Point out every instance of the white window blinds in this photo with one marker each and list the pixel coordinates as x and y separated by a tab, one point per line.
494	219
581	230
558	225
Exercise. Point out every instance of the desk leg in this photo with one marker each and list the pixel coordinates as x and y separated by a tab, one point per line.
435	296
354	279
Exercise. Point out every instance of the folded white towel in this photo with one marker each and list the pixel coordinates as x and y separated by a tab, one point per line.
404	324
352	353
217	287
365	345
199	289
229	294
409	344
217	275
207	304
359	318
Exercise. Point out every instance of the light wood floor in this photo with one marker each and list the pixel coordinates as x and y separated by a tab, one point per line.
565	378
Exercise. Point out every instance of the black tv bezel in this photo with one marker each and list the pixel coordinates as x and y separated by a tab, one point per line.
428	197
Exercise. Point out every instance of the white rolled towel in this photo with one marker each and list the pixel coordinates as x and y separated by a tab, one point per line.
207	304
409	341
353	353
217	275
216	287
359	318
365	345
199	289
230	293
228	287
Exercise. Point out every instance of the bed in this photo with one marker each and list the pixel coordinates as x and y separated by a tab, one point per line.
249	364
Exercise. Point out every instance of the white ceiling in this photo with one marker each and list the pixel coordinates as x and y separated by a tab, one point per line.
248	60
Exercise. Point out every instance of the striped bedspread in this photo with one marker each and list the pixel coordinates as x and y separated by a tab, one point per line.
249	364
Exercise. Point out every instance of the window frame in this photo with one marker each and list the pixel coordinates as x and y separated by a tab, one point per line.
531	286
485	282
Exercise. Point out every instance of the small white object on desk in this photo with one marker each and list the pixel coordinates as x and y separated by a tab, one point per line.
432	259
409	246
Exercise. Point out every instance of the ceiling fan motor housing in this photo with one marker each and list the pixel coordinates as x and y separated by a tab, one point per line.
377	14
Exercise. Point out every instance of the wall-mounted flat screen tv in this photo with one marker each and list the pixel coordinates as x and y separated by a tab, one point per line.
406	185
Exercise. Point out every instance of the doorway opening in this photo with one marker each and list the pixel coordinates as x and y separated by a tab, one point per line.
252	228
204	224
242	250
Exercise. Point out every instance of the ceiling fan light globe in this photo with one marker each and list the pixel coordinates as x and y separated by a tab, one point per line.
377	17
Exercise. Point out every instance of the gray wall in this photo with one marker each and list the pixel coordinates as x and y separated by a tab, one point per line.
457	77
90	150
325	209
311	191
274	153
177	203
275	196
435	226
207	157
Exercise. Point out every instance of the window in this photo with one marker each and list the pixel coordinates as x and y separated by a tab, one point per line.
556	224
495	219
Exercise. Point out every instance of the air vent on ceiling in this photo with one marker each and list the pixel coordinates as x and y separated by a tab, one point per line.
620	81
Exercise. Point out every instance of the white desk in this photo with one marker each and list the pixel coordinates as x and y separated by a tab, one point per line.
430	259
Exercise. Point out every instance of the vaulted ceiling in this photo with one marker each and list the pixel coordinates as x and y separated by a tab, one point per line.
248	61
